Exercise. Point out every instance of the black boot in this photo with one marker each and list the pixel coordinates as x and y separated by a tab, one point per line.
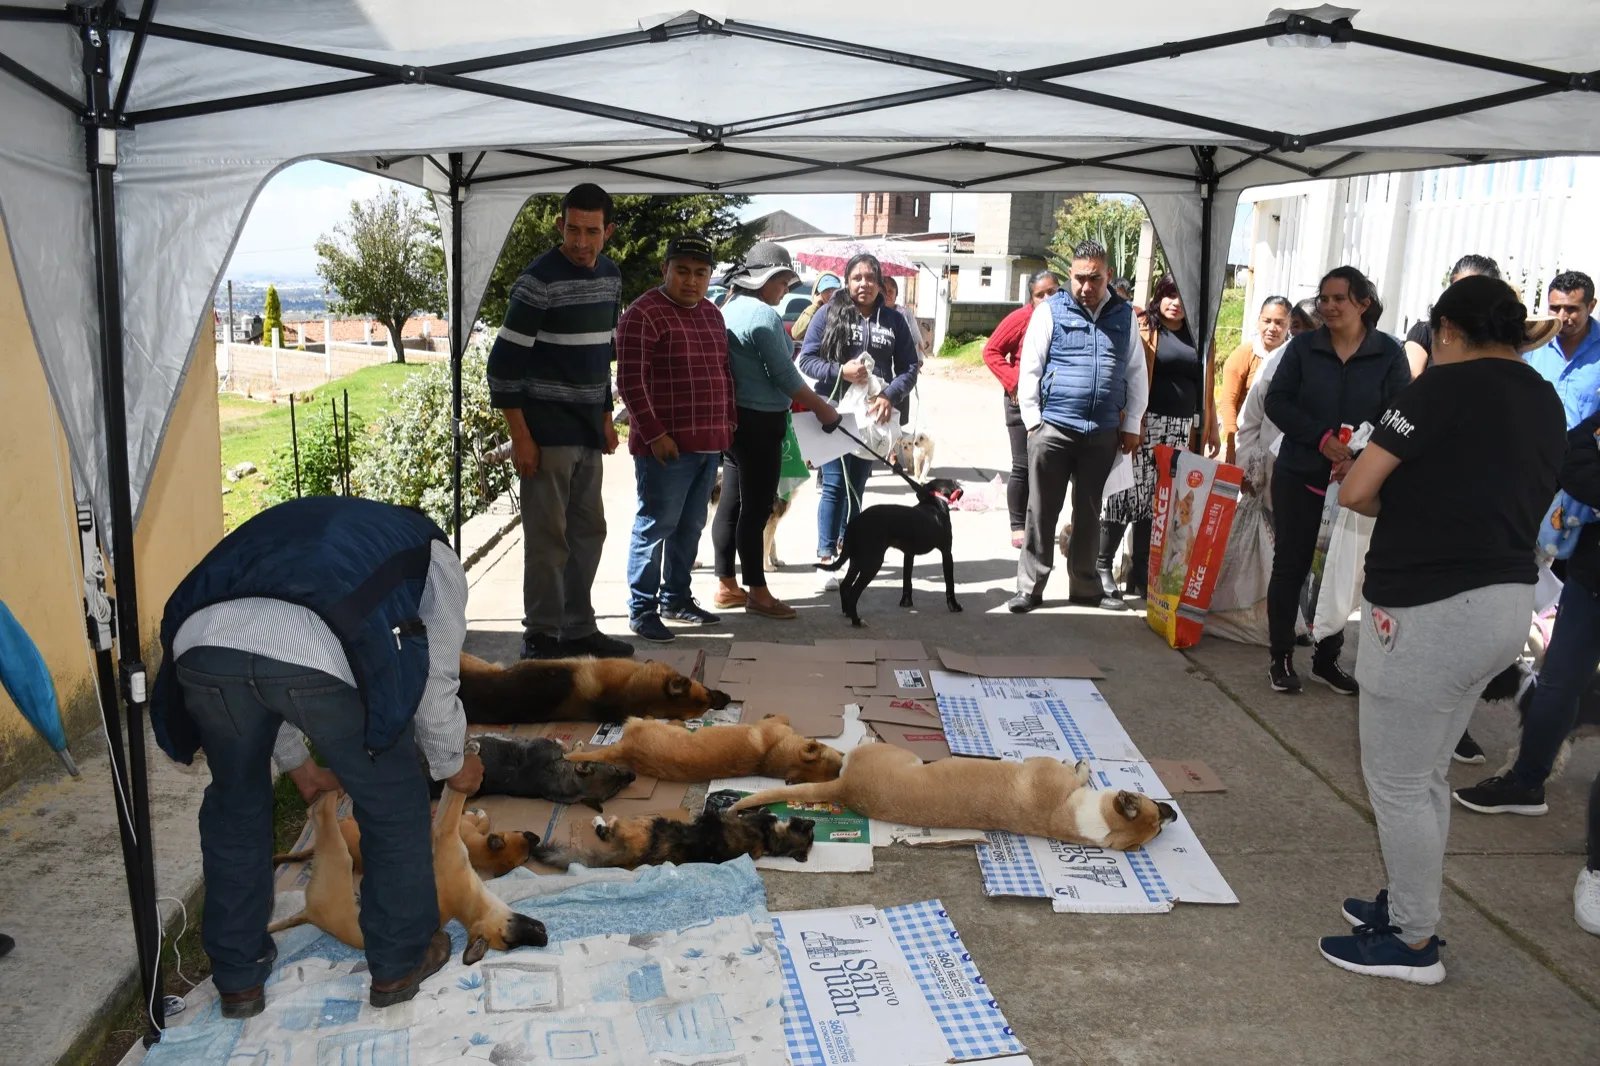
1110	540
1139	561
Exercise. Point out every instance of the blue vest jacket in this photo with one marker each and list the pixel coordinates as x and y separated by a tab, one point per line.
360	565
1084	385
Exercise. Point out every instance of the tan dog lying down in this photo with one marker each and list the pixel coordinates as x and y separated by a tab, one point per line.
1038	797
669	751
331	902
493	854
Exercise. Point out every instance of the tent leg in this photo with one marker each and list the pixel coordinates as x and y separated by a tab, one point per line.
458	340
102	163
1206	157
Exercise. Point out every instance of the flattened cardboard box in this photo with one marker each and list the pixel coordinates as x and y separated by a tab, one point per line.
812	712
688	663
926	744
893	650
764	672
845	651
1019	665
900	678
1187	775
901	710
713	670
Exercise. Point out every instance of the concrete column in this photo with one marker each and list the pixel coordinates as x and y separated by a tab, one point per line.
274	358
366	331
327	348
1144	266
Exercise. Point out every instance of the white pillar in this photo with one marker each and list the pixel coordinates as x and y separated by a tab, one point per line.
941	313
274	357
366	332
1145	264
327	348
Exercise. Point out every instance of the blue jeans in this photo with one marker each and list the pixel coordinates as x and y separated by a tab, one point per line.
239	700
674	498
840	501
1568	671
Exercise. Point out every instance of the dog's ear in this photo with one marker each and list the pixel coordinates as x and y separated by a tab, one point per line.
677	686
583	769
475	951
496	842
1128	804
811	751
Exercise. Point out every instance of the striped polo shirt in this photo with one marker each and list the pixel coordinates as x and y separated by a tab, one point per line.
553	355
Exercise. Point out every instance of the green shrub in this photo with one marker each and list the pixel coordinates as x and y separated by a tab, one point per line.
321	455
407	456
271	317
955	341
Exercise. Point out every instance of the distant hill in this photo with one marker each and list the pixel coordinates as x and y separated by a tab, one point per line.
249	296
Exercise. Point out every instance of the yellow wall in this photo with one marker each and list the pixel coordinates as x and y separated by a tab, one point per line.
39	565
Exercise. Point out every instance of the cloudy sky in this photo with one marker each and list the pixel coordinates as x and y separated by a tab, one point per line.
309	199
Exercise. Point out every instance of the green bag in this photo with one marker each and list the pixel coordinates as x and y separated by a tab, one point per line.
792	471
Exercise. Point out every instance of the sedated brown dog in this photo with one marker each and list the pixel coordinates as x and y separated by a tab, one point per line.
330	895
493	854
1037	797
670	752
715	836
579	690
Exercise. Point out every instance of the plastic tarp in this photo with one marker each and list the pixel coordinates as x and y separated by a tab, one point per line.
969	102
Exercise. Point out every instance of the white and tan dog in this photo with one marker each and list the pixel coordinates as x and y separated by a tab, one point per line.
914	454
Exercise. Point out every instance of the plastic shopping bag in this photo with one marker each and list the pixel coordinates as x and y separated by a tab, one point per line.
879	437
1342	568
1239	602
792	469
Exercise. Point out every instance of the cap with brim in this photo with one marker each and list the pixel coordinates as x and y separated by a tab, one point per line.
691	246
1537	332
826	282
764	261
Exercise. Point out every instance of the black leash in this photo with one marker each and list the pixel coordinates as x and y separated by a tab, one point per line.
907	478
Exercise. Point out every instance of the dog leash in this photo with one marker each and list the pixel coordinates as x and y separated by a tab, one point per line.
907	478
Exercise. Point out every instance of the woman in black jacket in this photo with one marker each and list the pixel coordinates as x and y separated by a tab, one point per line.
1340	375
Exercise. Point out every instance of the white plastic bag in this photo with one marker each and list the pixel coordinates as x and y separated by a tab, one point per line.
1343	571
1121	476
1239	603
879	437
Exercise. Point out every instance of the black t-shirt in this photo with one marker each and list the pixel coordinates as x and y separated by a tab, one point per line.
1175	392
1479	445
1421	335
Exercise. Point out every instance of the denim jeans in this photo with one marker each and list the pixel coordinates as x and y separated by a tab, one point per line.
840	502
1568	671
674	498
239	701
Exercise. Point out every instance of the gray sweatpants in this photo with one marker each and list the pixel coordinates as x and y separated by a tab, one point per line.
563	530
1421	671
1059	458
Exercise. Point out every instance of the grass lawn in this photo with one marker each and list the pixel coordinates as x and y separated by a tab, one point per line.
968	354
251	429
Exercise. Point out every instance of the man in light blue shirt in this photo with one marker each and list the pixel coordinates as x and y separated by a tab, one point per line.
1571	361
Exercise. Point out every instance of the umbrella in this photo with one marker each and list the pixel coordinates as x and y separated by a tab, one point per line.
27	681
833	255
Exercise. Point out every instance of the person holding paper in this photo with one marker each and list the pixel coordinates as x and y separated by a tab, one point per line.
1442	614
764	382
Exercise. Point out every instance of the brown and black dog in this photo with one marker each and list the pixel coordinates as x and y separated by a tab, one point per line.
670	752
579	690
715	836
330	895
1036	797
492	854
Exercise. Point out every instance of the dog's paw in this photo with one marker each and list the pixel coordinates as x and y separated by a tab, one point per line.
603	826
1081	771
905	601
954	606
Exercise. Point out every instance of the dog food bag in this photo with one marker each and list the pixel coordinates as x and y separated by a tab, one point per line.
1194	505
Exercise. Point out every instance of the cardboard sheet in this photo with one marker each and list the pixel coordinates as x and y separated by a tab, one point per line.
1019	665
812	712
827	674
901	710
844	651
926	744
894	987
1188	775
893	650
919	836
901	678
688	663
1016	718
713	670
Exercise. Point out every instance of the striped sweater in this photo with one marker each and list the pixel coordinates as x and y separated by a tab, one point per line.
553	356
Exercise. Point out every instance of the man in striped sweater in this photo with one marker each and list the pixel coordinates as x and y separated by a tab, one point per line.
550	373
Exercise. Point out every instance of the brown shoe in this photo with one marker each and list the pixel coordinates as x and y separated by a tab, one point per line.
727	599
388	993
775	609
246	1004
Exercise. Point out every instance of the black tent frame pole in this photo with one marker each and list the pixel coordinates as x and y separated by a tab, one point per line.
1206	172
458	338
101	148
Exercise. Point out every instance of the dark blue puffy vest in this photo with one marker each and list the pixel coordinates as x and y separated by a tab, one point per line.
358	564
1084	384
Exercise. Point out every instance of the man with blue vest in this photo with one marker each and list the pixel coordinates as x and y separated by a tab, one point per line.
339	620
1081	390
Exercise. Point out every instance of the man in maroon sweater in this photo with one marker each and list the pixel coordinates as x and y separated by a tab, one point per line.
672	372
1000	354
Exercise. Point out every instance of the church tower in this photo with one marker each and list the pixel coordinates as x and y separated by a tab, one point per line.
881	213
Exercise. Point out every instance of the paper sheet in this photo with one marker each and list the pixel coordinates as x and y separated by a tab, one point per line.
816	446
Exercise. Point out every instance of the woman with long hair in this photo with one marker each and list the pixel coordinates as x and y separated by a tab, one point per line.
1448	592
1342	374
1000	354
1242	368
856	339
764	383
1177	400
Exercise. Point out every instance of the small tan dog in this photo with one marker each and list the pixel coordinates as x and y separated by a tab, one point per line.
914	454
1037	797
669	751
330	895
493	854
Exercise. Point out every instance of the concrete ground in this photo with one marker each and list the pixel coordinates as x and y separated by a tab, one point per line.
1292	833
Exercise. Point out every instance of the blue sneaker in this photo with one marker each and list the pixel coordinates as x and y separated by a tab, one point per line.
1378	951
650	628
1367	912
692	613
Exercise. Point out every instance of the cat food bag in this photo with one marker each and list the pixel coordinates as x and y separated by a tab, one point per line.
1194	505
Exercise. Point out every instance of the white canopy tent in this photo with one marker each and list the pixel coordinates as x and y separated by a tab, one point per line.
132	143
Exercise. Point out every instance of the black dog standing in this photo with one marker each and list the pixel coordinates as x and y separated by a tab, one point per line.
914	530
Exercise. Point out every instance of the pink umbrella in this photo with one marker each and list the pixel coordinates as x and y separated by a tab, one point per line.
833	255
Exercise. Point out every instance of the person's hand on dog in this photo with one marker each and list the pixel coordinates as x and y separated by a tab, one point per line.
664	448
1130	443
469	778
855	371
525	455
311	779
880	409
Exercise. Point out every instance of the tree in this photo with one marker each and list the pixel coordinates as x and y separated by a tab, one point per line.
1112	222
272	318
644	225
382	262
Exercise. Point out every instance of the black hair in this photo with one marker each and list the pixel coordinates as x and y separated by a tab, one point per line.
1165	287
888	280
1038	276
1090	250
1483	310
840	329
857	260
1361	288
587	197
1122	285
1572	281
1480	265
1277	301
1305	313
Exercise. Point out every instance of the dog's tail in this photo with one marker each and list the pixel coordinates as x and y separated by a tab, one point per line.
294	856
1507	684
816	792
838	562
288	923
561	856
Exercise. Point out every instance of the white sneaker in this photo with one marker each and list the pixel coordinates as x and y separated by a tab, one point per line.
830	578
1586	901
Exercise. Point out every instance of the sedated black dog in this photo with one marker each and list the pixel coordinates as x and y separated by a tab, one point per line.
1516	685
537	768
914	530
